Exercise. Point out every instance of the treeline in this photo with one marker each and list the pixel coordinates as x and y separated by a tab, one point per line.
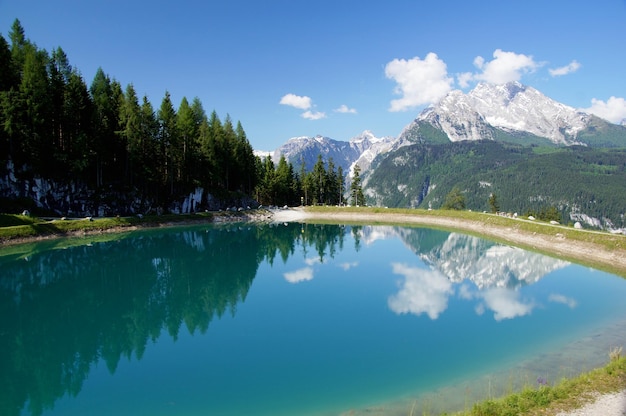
54	126
281	185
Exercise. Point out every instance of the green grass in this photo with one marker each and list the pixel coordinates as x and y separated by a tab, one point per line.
15	227
567	394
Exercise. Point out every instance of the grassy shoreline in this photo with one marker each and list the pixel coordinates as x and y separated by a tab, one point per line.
566	395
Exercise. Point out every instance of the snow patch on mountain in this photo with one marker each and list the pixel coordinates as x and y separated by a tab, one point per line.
361	150
512	107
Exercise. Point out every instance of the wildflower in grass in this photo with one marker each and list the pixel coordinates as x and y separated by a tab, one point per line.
542	381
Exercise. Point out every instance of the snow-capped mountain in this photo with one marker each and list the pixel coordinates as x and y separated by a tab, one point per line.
513	109
362	149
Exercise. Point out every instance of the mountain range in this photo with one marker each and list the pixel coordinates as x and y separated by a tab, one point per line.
507	139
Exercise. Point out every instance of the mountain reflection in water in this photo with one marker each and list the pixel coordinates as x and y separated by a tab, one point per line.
494	271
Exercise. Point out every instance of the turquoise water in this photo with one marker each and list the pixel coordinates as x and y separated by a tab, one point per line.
292	319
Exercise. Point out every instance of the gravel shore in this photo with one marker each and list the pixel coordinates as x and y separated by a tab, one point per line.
606	405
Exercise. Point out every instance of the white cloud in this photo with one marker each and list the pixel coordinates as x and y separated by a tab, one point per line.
347	266
313	115
480	309
505	303
297	101
505	67
345	109
300	275
465	292
423	291
564	70
418	81
310	261
613	110
464	79
563	299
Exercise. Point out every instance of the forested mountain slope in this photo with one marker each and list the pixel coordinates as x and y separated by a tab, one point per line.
583	183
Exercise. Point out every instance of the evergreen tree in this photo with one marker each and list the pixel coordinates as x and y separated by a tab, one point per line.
226	152
168	142
267	184
245	160
283	183
197	163
493	203
332	189
106	100
454	200
9	77
356	191
36	140
214	152
9	83
188	131
18	45
340	185
304	184
59	71
150	155
318	181
77	125
130	125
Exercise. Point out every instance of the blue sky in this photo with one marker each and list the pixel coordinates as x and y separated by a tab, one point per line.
336	68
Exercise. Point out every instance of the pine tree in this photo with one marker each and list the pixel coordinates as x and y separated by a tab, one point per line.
168	142
214	152
283	183
332	190
244	159
340	185
454	200
318	180
77	125
18	45
188	131
9	77
106	96
36	140
356	191
149	156
130	124
59	70
226	151
493	203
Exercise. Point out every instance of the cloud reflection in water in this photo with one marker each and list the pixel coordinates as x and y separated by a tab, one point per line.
423	291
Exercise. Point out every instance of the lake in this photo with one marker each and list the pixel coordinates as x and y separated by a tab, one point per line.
285	319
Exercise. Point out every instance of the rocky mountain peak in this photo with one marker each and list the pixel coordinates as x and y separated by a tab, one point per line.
511	107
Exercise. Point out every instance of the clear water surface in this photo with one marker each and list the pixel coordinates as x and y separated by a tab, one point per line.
292	319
